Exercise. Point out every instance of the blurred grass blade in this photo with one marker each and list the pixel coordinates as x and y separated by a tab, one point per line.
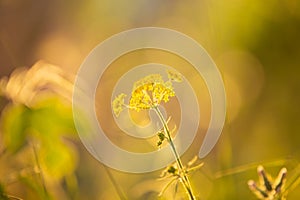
244	168
293	181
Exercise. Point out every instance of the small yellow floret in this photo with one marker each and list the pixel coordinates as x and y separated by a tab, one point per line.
174	76
118	104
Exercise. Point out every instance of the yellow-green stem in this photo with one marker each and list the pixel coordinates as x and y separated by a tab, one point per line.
184	177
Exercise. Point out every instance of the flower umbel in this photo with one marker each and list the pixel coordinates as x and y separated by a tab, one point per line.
267	188
149	92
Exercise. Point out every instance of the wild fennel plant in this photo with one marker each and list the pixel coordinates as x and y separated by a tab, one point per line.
147	94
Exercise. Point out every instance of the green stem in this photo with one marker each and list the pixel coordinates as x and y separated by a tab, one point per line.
117	187
40	171
184	178
115	184
13	197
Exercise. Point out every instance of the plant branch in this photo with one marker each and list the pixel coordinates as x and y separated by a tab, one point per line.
184	178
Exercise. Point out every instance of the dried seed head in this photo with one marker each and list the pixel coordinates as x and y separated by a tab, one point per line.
267	188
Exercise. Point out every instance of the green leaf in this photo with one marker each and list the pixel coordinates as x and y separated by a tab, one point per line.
3	196
36	186
51	119
172	170
48	122
57	161
14	124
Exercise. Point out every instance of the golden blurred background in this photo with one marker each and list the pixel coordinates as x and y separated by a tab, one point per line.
255	45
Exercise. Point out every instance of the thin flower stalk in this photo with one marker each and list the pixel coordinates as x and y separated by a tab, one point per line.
184	178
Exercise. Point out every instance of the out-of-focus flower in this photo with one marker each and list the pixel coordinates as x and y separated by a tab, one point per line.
25	84
268	189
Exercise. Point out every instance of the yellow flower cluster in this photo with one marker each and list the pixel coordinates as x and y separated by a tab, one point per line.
149	92
118	104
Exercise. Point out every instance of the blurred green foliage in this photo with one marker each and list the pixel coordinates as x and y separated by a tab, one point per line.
48	128
255	44
15	124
